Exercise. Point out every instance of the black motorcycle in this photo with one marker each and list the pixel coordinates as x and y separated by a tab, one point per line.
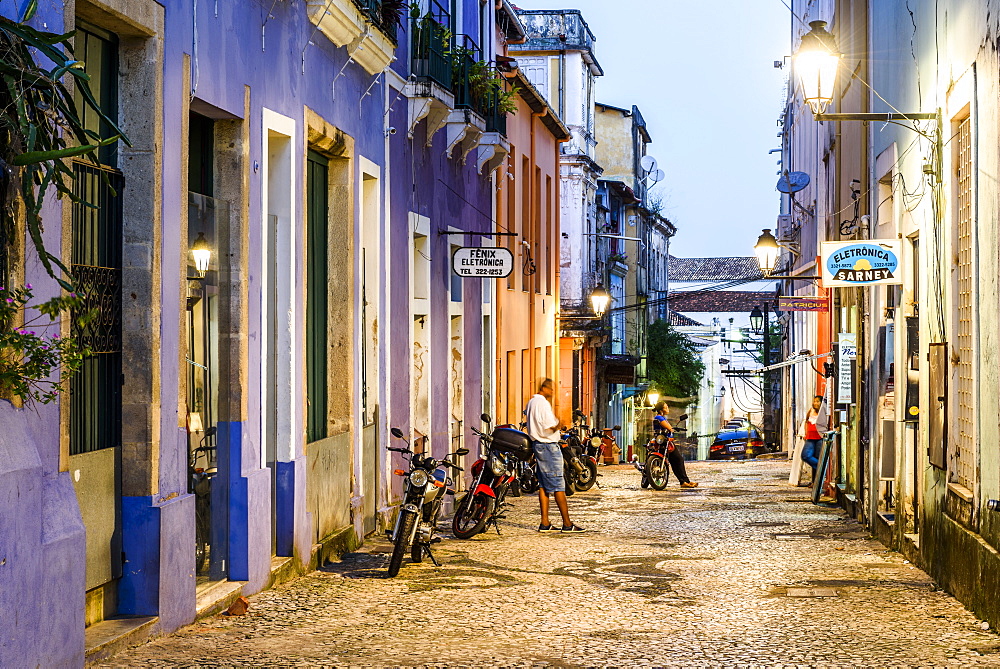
580	454
200	484
426	484
493	475
525	469
579	471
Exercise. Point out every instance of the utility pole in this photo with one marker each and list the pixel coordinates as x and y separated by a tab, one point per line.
766	359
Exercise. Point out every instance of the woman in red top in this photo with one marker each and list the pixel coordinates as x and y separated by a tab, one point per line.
811	430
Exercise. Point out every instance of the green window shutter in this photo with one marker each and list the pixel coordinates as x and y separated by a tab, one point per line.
317	275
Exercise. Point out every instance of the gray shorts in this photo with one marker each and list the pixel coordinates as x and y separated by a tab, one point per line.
550	466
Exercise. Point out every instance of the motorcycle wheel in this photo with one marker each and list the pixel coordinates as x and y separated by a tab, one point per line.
402	539
657	470
529	483
569	479
471	516
586	479
200	550
417	550
201	533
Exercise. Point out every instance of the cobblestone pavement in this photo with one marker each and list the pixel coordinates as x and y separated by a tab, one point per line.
712	576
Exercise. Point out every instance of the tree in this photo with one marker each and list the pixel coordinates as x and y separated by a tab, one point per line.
673	364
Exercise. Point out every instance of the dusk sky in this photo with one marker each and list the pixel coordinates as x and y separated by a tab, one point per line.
703	76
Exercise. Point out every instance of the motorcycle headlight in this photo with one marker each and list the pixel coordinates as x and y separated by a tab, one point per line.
418	478
497	465
660	439
595	441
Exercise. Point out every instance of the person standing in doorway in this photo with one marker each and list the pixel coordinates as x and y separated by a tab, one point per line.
674	457
811	430
543	429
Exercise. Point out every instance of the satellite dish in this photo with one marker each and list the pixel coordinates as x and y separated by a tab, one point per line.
658	176
792	182
647	163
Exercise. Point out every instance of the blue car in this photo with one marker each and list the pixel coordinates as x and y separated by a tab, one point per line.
737	443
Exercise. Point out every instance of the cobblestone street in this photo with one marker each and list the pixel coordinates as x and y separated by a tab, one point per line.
742	570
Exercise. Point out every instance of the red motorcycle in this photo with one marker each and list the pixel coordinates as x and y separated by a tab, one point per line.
492	476
655	471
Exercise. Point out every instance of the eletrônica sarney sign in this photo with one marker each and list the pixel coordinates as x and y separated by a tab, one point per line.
861	263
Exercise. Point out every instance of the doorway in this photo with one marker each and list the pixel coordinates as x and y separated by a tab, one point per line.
95	415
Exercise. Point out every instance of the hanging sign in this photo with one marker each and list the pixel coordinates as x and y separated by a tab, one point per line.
475	262
868	263
846	357
803	303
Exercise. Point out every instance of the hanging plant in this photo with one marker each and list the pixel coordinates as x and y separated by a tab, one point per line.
391	13
40	129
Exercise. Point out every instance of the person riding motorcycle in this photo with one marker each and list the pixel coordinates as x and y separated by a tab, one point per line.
660	426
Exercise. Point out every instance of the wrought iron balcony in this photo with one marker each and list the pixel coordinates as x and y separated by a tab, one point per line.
379	14
468	73
429	44
496	119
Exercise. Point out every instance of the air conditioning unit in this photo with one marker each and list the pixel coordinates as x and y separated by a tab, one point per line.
784	221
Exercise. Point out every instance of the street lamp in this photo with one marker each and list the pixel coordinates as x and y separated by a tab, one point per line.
756	320
600	298
201	253
652	396
766	249
816	64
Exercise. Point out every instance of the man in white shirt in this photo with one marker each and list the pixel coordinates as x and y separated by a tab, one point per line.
543	429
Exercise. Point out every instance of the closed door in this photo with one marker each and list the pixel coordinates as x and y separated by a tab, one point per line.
95	391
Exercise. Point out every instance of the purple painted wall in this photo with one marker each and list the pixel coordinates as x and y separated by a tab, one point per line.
41	532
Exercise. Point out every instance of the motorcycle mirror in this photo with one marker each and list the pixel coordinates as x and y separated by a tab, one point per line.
462	451
486	418
617	427
683	416
396	432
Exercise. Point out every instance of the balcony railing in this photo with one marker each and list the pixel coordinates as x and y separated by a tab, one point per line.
467	74
473	87
429	36
373	11
496	119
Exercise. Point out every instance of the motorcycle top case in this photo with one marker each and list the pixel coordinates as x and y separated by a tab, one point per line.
509	440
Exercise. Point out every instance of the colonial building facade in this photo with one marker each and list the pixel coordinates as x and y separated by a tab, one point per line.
915	451
230	431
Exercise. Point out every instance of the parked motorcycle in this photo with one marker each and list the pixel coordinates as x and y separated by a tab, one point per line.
576	473
201	486
426	484
655	470
526	474
587	445
525	469
493	475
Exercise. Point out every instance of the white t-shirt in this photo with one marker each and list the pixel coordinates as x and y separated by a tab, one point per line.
541	419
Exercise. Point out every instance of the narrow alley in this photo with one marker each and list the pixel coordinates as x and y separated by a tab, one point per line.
742	570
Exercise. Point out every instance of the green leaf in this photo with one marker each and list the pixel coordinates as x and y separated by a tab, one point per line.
29	10
33	157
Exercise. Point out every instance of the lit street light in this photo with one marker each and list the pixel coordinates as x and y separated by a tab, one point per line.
600	299
816	64
201	253
766	249
652	397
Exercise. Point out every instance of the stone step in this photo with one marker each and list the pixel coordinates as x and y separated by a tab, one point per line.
217	597
114	635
